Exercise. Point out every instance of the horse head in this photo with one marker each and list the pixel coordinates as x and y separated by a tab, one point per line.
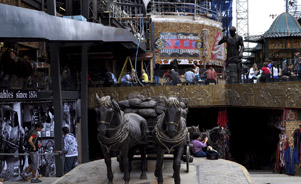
173	114
107	114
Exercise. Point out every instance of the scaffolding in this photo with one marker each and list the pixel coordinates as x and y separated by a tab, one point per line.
242	17
293	8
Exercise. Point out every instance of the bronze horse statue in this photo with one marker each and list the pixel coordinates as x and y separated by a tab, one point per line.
120	131
170	133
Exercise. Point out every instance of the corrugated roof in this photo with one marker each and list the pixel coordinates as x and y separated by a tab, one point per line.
285	25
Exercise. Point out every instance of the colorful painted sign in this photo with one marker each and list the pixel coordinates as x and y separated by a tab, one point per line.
217	51
173	44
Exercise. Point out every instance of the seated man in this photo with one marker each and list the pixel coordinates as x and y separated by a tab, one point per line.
126	79
144	76
189	76
287	72
199	145
174	77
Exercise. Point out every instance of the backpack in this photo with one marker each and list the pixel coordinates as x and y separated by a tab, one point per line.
26	144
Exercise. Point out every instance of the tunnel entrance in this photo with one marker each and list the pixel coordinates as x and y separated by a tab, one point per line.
253	133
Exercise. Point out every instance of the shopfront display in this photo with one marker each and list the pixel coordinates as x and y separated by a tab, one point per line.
16	121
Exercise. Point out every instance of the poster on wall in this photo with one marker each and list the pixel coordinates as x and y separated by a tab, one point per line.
172	44
11	134
217	52
16	121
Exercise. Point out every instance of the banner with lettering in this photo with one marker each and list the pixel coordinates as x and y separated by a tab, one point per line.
171	44
18	94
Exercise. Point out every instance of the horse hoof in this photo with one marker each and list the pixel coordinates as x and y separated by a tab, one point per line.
143	176
126	182
156	174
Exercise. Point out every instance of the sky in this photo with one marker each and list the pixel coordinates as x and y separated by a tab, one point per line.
259	14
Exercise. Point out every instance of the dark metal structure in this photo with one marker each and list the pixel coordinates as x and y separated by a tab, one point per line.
20	24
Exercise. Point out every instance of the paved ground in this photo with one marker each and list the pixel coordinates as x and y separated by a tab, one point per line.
272	178
202	171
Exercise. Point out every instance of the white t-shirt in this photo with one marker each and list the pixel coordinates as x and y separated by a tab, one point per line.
252	73
196	70
275	72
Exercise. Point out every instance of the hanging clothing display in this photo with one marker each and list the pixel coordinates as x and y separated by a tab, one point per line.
297	143
222	119
291	158
281	147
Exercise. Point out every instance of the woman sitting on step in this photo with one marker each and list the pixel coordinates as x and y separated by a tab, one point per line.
199	145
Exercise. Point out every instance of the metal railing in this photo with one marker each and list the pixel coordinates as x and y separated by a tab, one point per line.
181	9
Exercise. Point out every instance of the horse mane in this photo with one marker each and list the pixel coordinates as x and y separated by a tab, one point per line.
173	102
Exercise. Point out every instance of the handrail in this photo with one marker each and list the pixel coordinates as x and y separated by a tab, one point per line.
178	8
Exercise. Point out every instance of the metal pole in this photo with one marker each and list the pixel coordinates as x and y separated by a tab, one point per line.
286	6
85	8
194	10
69	7
58	106
51	7
154	48
84	105
94	10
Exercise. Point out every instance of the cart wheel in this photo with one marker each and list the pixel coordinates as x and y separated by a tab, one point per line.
187	158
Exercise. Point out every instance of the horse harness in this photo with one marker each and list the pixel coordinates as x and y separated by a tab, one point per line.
165	140
120	136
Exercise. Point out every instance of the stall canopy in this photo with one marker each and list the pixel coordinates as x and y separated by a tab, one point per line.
25	24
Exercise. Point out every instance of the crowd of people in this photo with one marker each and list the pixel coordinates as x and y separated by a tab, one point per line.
171	76
269	72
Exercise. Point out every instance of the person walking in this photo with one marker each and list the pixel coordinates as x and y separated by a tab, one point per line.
33	147
70	150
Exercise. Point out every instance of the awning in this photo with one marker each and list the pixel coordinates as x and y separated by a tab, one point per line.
22	24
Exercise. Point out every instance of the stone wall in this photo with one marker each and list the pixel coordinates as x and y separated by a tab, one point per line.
263	95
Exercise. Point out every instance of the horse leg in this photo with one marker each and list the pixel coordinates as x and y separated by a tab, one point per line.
125	163
159	164
131	156
177	164
109	165
143	162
